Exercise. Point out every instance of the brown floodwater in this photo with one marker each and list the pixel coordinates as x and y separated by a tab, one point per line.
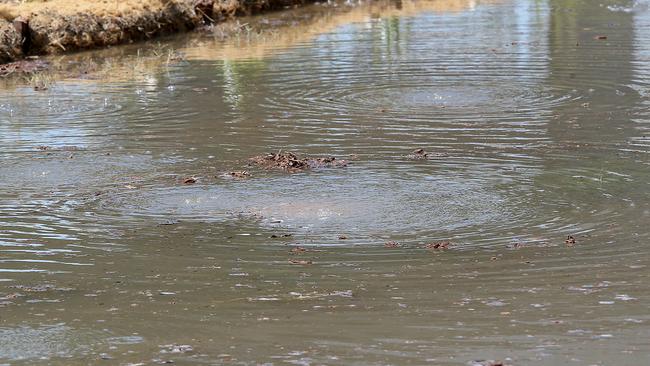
536	119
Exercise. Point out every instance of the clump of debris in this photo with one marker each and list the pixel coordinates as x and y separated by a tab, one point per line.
291	162
438	245
237	174
418	154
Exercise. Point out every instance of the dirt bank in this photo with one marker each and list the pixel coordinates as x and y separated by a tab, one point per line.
43	27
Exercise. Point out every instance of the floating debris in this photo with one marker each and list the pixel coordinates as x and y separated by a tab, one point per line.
189	180
418	154
438	245
41	288
392	244
176	348
60	148
517	245
275	236
168	222
301	262
293	163
237	174
240	174
320	295
71	148
486	363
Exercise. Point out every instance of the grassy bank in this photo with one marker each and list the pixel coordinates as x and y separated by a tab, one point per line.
45	27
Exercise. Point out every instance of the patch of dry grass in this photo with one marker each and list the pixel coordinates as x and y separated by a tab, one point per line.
11	10
40	81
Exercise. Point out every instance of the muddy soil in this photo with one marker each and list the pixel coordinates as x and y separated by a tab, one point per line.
34	30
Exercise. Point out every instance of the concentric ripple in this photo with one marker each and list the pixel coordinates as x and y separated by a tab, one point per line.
76	115
326	205
121	210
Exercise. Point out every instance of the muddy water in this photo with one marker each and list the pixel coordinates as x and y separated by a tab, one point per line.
536	130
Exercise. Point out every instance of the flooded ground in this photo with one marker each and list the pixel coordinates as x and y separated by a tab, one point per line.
534	117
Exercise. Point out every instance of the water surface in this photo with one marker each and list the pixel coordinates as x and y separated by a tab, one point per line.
535	117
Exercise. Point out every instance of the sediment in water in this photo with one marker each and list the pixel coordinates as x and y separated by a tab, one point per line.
61	25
